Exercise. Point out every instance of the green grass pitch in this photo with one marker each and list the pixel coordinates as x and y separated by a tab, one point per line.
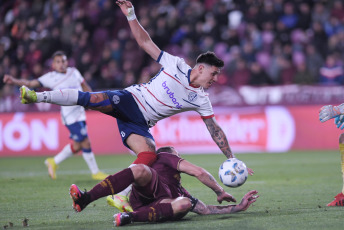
294	189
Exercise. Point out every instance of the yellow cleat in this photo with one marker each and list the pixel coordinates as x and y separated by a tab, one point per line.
52	166
99	176
120	202
27	96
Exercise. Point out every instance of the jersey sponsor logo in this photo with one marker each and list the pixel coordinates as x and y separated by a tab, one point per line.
192	96
171	95
122	134
115	99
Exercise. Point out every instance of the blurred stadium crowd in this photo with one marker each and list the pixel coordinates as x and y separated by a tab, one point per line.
263	42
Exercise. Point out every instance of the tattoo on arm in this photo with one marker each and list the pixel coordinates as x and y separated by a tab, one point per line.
150	143
204	209
219	137
212	179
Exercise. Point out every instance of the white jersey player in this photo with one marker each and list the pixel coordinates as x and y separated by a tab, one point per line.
170	92
73	117
175	89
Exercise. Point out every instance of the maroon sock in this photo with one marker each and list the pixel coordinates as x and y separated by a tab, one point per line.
112	184
155	213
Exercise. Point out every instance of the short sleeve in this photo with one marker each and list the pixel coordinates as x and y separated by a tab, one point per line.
170	160
165	59
206	109
44	80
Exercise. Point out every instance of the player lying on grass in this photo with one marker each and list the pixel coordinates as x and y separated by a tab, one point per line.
326	113
157	194
73	117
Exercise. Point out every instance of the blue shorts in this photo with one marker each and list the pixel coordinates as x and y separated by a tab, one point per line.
78	131
129	117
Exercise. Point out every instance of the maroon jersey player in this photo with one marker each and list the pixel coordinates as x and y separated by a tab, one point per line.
157	193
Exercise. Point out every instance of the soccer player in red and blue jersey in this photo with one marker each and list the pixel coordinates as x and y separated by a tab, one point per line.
157	194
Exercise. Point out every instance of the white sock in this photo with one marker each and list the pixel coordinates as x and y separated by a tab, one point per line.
91	162
64	154
59	97
126	191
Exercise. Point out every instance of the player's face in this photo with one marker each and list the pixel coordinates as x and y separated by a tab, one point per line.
208	75
60	64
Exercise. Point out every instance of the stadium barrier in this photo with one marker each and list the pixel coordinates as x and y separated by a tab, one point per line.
249	129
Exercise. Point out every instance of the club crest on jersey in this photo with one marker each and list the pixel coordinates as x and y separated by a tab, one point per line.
115	99
192	96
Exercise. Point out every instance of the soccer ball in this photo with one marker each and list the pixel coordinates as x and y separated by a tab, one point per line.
233	172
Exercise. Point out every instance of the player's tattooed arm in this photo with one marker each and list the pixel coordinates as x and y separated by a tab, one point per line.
204	209
218	136
248	199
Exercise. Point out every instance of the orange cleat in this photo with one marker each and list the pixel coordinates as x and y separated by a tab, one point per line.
80	199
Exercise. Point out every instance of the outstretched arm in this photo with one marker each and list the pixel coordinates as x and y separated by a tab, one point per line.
245	203
8	79
141	36
220	138
207	179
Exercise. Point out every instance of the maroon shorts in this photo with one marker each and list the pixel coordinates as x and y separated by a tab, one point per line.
150	194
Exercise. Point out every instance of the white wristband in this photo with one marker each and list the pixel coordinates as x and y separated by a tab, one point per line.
131	14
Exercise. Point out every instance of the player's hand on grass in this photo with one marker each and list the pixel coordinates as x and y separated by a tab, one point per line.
247	200
338	121
328	112
224	196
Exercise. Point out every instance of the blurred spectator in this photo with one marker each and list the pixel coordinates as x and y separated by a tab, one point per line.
258	76
261	42
240	76
302	75
331	73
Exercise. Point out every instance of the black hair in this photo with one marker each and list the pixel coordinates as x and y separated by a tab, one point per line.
58	53
165	149
210	58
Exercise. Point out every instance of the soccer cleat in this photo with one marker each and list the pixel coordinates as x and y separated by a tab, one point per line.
27	96
120	202
80	199
123	218
338	200
99	176
52	166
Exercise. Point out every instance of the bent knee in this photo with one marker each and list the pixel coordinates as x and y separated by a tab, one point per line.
141	171
182	204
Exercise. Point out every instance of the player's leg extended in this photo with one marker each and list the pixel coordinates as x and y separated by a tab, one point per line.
68	151
167	209
144	147
53	162
112	184
90	160
339	198
98	101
